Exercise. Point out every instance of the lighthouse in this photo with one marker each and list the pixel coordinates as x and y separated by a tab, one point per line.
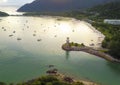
67	41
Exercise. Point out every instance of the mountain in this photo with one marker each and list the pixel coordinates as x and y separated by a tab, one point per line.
3	14
60	5
109	10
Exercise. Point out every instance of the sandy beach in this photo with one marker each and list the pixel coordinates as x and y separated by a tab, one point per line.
85	82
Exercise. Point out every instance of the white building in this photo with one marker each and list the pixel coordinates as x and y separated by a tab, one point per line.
112	21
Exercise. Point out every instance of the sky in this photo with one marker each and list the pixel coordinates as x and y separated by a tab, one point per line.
10	6
14	2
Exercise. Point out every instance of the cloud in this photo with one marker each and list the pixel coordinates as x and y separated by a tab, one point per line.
3	1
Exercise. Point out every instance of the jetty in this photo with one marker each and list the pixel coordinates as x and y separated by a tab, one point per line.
81	47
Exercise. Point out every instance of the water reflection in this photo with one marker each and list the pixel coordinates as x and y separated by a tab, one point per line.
115	67
67	53
36	41
78	31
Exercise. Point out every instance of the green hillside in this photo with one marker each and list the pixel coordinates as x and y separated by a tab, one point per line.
110	10
98	14
46	80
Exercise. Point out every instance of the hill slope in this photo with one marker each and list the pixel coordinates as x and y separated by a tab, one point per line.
112	32
60	5
110	10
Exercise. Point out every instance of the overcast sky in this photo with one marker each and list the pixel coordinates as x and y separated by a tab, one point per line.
14	2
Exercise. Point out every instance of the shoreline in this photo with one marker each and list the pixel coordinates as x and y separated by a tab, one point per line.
69	79
90	51
94	29
84	81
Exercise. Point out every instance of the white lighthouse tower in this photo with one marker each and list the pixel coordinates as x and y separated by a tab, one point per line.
67	41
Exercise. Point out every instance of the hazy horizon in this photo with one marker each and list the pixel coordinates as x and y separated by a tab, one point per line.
14	2
10	6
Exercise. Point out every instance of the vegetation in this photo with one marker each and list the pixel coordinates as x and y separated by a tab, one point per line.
3	14
112	39
45	80
112	32
75	14
76	44
97	14
110	10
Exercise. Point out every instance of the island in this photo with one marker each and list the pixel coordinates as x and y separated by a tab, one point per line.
3	14
71	46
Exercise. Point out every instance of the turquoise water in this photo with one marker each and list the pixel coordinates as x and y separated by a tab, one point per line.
28	58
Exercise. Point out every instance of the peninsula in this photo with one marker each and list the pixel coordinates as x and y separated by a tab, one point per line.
70	46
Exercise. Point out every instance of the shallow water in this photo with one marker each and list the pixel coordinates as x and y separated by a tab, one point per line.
39	45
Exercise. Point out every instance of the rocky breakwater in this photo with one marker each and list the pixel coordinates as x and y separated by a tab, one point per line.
81	47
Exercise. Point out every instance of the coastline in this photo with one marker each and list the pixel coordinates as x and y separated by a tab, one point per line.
94	29
68	79
90	51
85	81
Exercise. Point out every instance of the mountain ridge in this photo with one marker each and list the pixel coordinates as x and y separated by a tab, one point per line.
60	6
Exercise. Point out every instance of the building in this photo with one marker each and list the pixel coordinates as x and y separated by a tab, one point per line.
112	21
